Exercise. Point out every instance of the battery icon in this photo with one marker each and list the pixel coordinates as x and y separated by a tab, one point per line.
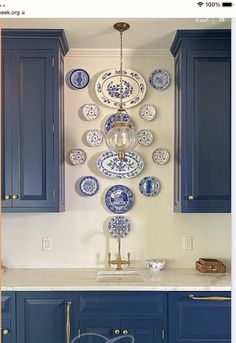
227	4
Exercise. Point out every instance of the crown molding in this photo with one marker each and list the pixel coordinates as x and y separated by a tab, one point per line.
116	52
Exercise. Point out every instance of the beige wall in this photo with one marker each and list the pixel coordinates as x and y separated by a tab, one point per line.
80	236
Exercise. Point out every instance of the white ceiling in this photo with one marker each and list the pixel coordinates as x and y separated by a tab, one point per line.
99	33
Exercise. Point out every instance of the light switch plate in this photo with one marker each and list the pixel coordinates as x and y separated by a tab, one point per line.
188	243
47	243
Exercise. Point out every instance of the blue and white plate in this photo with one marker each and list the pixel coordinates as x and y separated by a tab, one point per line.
78	157
90	111
160	156
110	165
116	117
94	137
108	88
119	199
147	112
145	137
119	225
89	185
149	186
159	79
79	78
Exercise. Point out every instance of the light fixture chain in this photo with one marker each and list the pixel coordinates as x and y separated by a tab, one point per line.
121	69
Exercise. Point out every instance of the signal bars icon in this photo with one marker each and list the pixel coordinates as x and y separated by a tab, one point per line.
200	4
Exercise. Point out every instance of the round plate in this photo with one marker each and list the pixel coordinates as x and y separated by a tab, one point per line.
119	199
79	78
110	165
119	224
147	112
90	111
94	137
89	185
115	117
108	88
149	186
78	157
145	137
160	156
159	79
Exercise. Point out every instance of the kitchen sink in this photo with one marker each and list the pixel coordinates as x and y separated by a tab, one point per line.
119	276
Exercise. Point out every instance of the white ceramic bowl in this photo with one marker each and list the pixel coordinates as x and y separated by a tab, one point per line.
155	265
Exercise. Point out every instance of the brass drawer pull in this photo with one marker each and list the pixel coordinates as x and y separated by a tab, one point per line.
191	296
14	196
5	332
125	332
68	305
117	332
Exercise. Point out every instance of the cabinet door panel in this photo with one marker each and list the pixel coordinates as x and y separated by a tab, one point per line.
33	128
142	330
97	330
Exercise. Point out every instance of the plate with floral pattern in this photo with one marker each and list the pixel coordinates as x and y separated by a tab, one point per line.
89	185
119	225
77	156
149	186
159	79
94	137
79	78
145	137
108	88
116	117
147	112
160	156
119	199
90	111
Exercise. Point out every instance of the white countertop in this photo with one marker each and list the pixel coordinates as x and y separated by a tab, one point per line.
85	280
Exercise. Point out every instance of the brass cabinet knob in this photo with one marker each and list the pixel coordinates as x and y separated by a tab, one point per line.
117	332
190	197
7	197
125	332
5	332
14	196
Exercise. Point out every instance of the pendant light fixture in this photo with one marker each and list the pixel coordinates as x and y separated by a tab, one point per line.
121	138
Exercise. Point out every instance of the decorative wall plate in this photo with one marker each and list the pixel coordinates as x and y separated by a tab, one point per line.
90	111
89	185
149	186
117	116
119	199
160	156
147	112
107	88
119	224
78	156
94	137
110	165
145	137
79	78
159	79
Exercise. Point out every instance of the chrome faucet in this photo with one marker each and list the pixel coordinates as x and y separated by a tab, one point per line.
119	262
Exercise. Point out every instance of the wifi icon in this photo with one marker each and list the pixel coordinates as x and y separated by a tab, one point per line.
200	4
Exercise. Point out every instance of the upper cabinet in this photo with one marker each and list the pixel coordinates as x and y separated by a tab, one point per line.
32	120
202	173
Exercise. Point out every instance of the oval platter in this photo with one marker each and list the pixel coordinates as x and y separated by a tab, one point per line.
119	199
110	165
107	88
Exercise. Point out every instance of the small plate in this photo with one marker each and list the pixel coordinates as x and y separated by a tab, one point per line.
145	137
119	199
160	156
79	78
90	111
159	79
149	186
116	117
147	112
94	137
119	224
89	185
78	157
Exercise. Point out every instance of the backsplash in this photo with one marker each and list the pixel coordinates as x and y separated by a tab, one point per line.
80	235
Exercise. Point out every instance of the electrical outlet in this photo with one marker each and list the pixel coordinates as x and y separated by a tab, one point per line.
47	243
188	243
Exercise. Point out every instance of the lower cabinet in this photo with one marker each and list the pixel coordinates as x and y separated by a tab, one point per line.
96	317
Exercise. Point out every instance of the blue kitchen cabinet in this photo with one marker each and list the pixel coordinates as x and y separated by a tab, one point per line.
32	130
199	318
8	324
46	317
202	161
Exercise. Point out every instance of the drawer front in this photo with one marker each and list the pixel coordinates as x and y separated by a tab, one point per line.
135	303
200	317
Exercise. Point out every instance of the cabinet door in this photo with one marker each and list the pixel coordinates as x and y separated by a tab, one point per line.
98	329
6	129
208	152
8	332
142	330
44	317
32	129
199	321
